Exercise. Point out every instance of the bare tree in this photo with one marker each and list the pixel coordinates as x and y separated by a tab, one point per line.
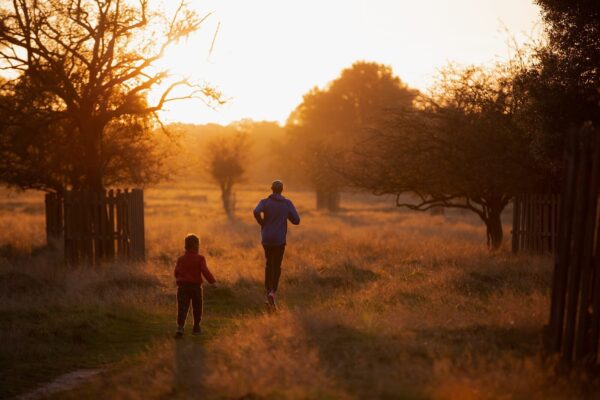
81	71
227	156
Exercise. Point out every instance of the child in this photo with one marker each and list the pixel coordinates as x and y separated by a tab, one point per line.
190	269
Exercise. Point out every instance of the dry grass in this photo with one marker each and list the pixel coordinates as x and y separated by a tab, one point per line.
375	303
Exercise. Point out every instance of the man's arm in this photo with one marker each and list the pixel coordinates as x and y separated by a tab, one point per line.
293	214
257	212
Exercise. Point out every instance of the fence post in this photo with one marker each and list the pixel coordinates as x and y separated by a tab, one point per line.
559	277
574	262
590	222
515	225
136	223
111	225
67	229
119	221
54	217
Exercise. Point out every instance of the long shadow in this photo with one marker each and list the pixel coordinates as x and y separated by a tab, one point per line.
401	366
244	299
314	288
486	283
222	305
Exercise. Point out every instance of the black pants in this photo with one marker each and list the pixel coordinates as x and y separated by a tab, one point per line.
186	293
274	256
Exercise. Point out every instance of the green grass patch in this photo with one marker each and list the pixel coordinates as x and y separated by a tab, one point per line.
59	340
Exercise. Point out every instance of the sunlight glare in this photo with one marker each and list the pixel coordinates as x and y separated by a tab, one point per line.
268	53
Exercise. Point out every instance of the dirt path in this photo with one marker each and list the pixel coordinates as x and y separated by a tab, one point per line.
60	384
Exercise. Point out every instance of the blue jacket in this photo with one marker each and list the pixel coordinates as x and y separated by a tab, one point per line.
276	210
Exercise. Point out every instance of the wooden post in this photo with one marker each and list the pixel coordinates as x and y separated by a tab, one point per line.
574	276
515	228
595	322
111	225
67	232
559	277
126	225
582	342
136	220
54	217
553	216
119	218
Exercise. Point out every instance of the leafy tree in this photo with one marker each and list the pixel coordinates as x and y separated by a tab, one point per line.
40	152
262	155
227	156
562	84
333	118
461	148
75	111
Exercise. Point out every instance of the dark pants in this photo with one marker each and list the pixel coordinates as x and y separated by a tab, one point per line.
274	256
186	293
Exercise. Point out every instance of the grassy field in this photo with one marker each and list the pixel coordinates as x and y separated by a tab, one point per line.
375	302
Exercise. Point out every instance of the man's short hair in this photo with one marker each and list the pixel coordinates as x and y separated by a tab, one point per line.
192	242
277	186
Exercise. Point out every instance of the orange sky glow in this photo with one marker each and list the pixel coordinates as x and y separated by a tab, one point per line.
268	53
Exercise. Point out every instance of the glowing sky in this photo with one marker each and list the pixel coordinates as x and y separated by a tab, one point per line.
268	53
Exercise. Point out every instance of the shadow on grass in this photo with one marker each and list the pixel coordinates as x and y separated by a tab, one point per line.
353	357
308	289
402	366
46	336
179	364
13	253
224	304
486	283
483	340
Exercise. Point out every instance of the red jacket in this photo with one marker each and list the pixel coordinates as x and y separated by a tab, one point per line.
191	267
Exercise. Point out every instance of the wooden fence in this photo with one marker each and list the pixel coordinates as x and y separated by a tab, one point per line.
535	223
574	328
98	227
54	217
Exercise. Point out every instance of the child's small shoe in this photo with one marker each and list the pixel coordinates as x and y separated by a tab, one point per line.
197	330
179	332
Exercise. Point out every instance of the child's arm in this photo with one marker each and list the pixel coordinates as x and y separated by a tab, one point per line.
176	270
206	272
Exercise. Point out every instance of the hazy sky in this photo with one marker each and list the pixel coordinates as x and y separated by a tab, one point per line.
268	53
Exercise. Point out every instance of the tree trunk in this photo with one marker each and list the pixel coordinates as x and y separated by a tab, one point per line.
226	199
493	224
328	199
93	179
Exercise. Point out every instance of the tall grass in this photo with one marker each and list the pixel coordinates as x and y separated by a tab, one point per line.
374	303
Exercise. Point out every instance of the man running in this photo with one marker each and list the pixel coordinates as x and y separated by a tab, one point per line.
272	215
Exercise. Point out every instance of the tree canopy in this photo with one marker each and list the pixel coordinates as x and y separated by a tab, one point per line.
562	83
333	118
461	147
74	108
227	156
